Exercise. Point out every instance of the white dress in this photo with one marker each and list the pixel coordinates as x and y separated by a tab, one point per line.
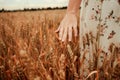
99	34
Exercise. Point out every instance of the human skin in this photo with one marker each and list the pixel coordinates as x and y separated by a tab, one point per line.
69	22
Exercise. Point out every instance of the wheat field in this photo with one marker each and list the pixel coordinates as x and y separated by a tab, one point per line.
30	48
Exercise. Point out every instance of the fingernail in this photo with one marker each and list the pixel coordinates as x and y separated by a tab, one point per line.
59	38
69	40
56	31
63	40
76	35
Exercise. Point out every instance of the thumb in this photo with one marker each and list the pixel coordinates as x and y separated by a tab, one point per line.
57	29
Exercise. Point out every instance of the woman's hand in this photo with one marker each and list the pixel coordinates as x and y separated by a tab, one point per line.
67	26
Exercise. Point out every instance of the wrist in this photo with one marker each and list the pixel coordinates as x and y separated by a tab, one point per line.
71	12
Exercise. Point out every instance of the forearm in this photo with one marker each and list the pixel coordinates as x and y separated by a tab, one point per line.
73	6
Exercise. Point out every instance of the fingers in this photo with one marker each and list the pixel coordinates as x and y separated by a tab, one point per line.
66	31
61	33
70	33
58	29
64	35
75	30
